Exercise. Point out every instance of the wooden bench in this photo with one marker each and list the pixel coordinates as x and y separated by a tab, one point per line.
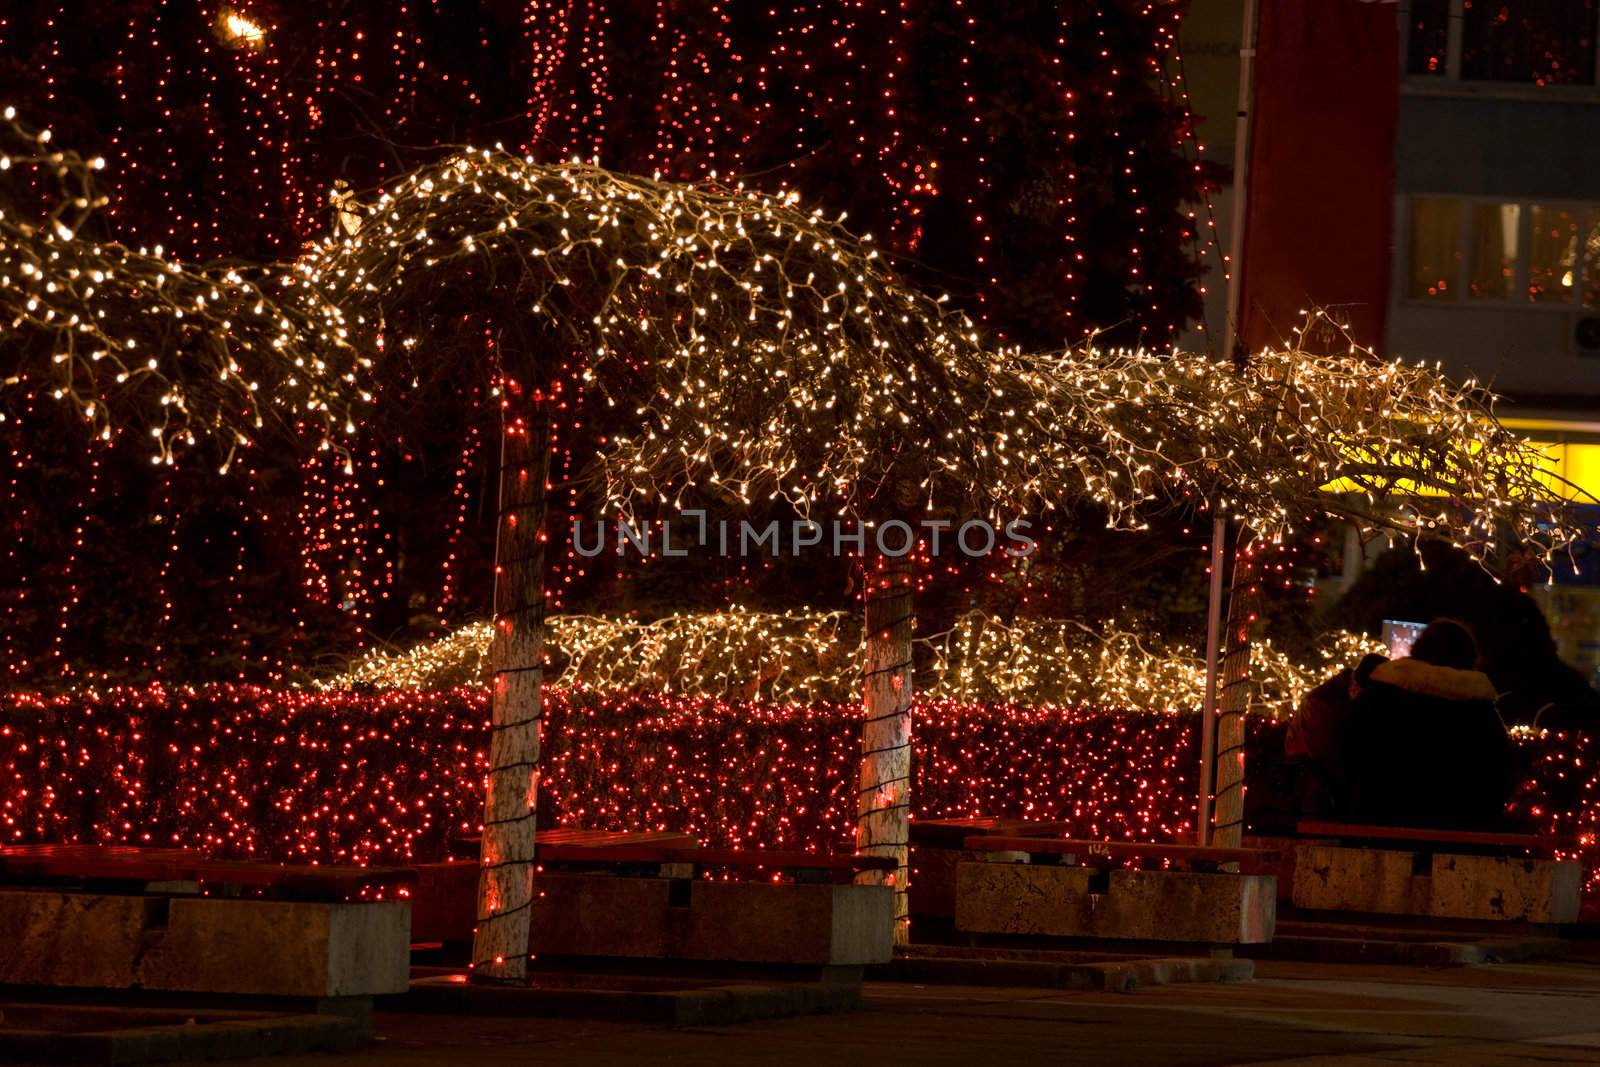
651	860
129	867
444	906
937	846
953	833
1105	854
609	895
668	853
1433	873
174	920
573	835
1116	890
1425	839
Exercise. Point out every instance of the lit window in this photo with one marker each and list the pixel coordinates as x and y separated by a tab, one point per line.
1552	254
1493	272
1435	248
1591	262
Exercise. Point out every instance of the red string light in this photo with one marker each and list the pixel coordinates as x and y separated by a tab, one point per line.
392	777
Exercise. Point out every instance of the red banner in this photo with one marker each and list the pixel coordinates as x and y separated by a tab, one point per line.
1321	181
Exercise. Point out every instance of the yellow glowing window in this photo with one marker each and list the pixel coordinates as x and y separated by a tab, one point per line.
1591	261
1435	248
1493	271
1552	254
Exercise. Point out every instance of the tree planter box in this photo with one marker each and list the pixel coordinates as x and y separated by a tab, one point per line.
204	944
1116	903
640	917
1436	885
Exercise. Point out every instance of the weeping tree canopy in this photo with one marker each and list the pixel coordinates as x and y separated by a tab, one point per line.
131	337
781	356
1384	445
757	349
765	352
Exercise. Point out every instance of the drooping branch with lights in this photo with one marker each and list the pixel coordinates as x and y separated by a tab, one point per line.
132	337
766	350
1385	445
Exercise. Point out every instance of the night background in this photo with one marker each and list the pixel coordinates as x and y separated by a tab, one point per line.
268	639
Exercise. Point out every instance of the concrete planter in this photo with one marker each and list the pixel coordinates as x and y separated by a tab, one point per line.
204	944
1059	901
1436	885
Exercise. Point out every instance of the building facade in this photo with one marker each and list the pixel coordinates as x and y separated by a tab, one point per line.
1497	198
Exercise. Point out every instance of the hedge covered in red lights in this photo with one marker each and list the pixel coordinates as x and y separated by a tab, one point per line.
394	776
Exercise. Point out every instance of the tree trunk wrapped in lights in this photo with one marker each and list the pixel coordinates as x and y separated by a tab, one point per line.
1232	703
883	802
505	880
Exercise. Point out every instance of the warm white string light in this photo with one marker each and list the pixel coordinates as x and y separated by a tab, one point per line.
801	657
133	336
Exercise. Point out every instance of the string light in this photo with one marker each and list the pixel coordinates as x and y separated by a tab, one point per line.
393	777
761	323
175	350
800	657
237	31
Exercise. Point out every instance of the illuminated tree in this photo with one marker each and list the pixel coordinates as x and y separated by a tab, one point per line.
1030	159
1382	445
767	352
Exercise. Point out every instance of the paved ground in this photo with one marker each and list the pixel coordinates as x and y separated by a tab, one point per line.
1292	1013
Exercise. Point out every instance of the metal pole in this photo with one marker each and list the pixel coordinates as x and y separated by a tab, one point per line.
1241	171
1208	711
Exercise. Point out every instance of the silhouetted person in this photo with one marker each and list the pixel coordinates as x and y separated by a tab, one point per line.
1311	741
1422	743
1516	647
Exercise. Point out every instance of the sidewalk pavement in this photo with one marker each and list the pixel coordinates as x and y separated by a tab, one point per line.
1305	1014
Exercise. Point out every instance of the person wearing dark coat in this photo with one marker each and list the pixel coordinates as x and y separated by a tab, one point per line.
1423	743
1310	743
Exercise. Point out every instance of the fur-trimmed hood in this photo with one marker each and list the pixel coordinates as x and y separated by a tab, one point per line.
1430	679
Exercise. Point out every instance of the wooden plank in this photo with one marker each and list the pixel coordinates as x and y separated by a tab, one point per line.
712	857
564	835
950	833
120	863
613	838
71	860
1477	838
20	852
785	860
1088	851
